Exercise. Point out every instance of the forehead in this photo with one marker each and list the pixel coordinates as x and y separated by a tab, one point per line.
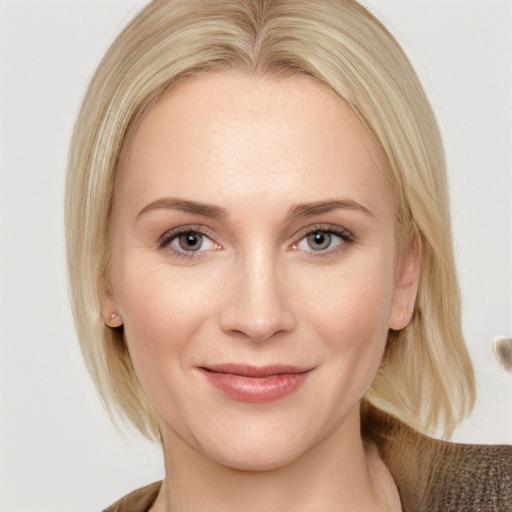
228	132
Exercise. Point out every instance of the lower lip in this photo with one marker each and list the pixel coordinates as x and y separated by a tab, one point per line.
255	389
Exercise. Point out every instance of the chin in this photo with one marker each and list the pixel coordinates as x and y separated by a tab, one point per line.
253	448
257	459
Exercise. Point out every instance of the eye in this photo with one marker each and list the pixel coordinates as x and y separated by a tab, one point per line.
187	241
192	241
320	239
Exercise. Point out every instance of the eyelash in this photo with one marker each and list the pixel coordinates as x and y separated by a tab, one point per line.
165	240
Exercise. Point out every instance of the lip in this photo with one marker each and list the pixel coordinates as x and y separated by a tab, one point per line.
255	384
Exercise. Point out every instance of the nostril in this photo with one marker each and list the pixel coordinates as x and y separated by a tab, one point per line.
256	328
261	329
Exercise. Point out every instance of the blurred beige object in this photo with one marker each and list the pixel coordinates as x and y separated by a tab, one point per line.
503	352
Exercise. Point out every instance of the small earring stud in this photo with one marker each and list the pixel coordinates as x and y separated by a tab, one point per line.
114	321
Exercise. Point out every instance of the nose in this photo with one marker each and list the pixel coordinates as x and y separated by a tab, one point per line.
257	305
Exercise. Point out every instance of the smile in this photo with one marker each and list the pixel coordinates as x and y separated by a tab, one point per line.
255	384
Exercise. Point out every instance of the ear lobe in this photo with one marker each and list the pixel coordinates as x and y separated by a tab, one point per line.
109	314
406	286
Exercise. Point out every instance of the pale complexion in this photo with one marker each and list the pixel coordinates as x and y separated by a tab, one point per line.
251	225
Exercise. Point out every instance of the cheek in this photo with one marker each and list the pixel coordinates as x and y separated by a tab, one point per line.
351	316
161	308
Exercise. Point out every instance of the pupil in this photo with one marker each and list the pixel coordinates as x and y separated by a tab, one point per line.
319	241
190	242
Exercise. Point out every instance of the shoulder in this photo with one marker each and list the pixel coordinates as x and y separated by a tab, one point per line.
137	501
479	476
434	475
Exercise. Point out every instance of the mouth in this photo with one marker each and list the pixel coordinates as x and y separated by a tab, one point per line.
244	383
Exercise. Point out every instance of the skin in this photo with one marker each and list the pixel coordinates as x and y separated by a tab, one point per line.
258	291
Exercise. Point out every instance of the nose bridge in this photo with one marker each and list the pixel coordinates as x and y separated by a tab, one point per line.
257	304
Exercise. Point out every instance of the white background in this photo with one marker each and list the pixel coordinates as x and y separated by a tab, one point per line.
58	451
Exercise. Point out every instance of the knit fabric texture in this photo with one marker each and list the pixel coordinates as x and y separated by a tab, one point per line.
439	476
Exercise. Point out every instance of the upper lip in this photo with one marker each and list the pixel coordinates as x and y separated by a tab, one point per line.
245	370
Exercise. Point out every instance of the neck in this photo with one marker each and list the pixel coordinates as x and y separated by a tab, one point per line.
337	474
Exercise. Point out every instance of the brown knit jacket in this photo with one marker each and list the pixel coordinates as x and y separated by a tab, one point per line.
431	475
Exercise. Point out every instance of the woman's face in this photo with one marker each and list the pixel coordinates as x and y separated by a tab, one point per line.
253	267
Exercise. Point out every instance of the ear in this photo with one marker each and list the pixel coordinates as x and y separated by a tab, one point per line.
109	314
406	286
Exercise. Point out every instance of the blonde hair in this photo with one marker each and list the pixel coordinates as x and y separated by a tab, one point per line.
426	377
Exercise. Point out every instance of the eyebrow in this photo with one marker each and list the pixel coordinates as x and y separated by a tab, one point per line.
217	212
184	205
320	207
